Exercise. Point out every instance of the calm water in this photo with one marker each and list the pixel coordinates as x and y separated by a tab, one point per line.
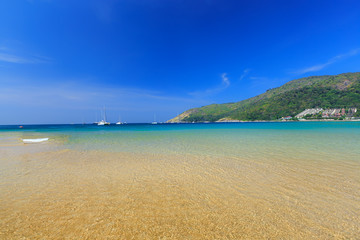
297	180
313	140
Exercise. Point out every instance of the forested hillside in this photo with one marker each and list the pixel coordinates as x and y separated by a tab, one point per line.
338	91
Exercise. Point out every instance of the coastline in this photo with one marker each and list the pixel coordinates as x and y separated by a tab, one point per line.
303	120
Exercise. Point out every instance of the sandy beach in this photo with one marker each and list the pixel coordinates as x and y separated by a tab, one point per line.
179	120
51	193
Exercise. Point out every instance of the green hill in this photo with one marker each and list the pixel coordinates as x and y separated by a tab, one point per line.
337	91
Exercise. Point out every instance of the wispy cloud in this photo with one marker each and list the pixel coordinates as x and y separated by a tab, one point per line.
245	72
259	78
18	56
332	60
75	95
37	103
11	58
225	83
225	80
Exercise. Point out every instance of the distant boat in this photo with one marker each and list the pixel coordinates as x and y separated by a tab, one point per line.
154	122
103	122
119	122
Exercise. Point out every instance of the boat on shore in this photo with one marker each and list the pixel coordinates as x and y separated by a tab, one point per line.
35	140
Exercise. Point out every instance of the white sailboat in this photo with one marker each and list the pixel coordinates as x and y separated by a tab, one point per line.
154	122
119	122
103	122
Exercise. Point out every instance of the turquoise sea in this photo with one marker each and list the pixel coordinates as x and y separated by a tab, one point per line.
294	140
251	180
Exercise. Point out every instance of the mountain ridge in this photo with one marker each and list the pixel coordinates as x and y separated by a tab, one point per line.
326	91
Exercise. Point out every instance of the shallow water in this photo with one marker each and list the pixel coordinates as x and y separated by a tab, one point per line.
182	181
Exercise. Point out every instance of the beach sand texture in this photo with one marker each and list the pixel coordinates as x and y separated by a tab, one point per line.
73	194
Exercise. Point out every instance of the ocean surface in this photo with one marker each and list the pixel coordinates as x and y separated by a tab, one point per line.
261	180
294	140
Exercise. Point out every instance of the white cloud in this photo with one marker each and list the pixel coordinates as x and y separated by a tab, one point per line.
11	58
225	83
245	72
332	60
225	80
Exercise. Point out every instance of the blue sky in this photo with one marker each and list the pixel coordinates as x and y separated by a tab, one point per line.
61	61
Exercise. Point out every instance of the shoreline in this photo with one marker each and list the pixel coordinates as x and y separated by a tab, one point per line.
243	121
16	126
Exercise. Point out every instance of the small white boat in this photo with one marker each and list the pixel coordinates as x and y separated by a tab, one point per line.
35	140
103	122
119	122
154	122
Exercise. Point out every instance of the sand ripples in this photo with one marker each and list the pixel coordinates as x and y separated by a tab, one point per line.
70	194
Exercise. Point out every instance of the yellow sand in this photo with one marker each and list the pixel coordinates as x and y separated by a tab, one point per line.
68	194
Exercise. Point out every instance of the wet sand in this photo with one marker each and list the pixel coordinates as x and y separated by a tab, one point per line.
50	193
